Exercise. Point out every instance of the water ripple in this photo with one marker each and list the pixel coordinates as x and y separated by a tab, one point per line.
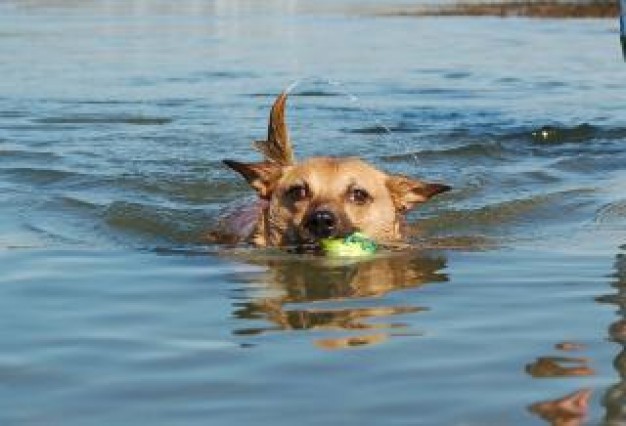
174	225
612	214
138	120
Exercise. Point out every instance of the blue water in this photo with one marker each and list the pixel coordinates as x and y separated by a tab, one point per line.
114	117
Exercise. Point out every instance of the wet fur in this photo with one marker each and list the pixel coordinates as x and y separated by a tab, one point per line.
359	196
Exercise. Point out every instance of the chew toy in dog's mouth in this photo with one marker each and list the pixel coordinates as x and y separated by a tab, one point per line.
352	245
355	244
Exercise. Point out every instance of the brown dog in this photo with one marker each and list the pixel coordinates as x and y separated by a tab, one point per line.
324	197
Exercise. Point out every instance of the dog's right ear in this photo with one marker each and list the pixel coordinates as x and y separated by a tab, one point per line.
261	176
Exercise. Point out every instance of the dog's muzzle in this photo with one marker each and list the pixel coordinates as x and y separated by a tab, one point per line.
322	223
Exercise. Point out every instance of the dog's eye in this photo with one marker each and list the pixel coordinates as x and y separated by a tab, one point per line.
297	193
359	196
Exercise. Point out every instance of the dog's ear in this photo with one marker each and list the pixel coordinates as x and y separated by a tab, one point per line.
261	176
406	193
277	147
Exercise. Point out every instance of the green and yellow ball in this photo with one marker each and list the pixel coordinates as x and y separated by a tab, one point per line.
353	245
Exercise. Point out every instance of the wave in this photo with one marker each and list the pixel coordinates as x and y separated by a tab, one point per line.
138	120
158	223
12	154
40	176
613	213
526	216
470	150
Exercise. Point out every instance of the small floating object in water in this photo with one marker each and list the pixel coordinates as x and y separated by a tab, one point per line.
353	245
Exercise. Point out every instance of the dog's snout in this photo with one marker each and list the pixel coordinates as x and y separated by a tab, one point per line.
322	223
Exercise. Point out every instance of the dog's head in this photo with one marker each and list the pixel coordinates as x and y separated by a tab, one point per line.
326	197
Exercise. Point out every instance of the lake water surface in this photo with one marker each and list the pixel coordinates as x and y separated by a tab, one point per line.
114	117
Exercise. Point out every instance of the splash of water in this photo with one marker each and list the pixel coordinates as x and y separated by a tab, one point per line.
371	115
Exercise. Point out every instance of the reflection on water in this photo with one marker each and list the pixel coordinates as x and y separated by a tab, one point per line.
570	410
559	366
311	293
615	397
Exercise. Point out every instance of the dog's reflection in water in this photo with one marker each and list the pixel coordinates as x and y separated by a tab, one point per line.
337	295
569	410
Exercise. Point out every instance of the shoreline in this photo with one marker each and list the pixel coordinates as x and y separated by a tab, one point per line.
530	9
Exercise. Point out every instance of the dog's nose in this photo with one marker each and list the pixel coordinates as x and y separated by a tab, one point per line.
322	223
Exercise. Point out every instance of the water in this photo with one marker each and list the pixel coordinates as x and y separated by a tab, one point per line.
114	117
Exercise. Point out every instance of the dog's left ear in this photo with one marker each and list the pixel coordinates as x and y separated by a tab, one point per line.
261	176
406	193
277	148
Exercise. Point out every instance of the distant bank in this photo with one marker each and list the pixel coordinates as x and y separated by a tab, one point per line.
531	9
